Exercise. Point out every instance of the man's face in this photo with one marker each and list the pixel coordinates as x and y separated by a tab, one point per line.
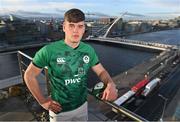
73	31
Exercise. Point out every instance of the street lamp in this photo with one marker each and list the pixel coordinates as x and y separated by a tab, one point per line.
165	102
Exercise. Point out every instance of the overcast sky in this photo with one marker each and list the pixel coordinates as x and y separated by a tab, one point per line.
106	7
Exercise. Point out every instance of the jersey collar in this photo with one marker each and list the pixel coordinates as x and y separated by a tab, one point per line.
70	46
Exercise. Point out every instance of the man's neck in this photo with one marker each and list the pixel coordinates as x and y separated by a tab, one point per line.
73	45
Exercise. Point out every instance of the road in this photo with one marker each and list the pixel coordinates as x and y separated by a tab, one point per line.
151	107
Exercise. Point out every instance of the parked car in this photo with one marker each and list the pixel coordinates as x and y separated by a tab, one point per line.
150	86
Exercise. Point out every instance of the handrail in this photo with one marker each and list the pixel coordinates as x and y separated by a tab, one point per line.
20	54
25	55
122	110
150	45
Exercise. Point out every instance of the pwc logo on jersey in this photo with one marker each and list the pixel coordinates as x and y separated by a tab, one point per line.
86	59
61	60
72	81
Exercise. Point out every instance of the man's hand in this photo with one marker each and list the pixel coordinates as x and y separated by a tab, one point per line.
110	93
51	105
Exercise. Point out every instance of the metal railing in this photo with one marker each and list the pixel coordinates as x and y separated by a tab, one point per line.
153	45
121	110
23	65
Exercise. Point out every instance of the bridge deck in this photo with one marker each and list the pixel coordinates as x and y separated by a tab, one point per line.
135	43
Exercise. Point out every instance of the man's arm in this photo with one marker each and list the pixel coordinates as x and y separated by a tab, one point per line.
110	93
32	83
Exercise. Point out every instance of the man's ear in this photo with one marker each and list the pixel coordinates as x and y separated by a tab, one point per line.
64	26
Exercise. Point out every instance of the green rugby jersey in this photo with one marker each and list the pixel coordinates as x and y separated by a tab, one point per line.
67	69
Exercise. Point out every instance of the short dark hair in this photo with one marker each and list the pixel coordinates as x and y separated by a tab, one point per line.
74	15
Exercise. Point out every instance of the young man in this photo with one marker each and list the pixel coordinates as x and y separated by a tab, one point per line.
68	62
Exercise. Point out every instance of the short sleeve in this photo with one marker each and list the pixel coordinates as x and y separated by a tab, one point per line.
94	58
41	58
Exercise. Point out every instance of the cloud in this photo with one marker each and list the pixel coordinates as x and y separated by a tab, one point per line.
61	5
33	5
162	3
166	8
13	1
5	3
